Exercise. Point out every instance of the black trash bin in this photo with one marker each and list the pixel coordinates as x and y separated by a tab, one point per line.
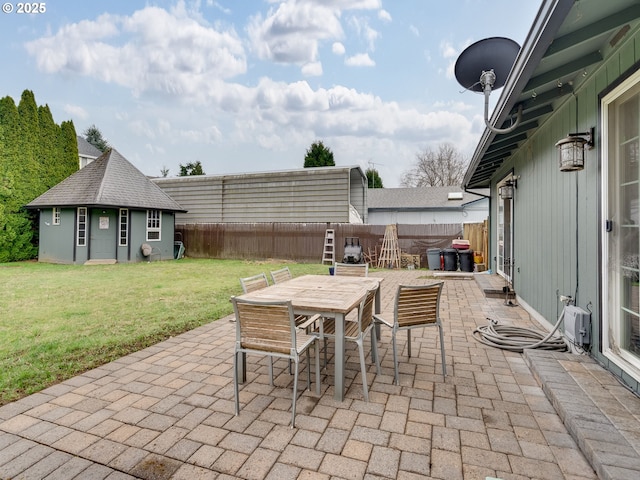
433	258
450	259
466	260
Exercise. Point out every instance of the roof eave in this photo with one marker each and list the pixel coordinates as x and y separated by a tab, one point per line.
549	18
103	205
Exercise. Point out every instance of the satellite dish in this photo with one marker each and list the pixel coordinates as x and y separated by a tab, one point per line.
484	66
495	53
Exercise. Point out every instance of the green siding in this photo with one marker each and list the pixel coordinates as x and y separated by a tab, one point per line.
557	249
56	242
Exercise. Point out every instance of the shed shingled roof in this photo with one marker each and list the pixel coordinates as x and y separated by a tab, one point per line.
109	181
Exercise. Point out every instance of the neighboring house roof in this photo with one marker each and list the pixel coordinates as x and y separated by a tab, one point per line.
109	181
85	149
566	40
418	198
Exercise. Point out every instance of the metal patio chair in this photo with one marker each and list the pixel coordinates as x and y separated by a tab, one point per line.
269	329
355	331
256	282
281	275
352	269
415	307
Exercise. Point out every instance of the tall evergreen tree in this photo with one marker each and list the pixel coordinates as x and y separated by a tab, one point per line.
93	135
30	141
69	149
10	123
6	184
373	178
9	155
49	147
35	154
318	156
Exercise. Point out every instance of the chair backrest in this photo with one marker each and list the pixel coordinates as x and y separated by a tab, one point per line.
281	275
417	305
265	326
367	309
251	284
351	269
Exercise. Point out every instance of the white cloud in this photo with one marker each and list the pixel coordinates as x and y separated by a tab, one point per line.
365	31
384	15
76	111
312	69
291	32
447	50
150	50
154	149
346	4
338	48
360	60
198	72
450	53
213	3
454	106
414	30
142	128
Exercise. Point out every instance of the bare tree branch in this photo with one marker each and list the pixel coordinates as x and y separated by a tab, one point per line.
441	168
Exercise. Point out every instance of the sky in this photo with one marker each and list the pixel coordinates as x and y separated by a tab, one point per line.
249	85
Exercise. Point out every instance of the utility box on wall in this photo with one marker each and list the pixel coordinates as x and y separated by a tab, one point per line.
577	325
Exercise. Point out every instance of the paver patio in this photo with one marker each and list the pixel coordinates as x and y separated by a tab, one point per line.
167	412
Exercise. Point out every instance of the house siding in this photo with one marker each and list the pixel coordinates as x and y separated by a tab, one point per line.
163	248
557	224
56	242
309	195
473	213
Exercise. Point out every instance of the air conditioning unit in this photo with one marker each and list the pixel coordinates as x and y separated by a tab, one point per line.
577	325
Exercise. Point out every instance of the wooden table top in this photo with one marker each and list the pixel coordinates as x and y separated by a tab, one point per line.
319	293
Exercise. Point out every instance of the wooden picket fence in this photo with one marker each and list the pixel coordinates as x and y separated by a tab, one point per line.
304	242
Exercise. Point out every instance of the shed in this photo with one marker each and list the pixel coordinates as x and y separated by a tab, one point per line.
425	205
319	194
104	213
572	231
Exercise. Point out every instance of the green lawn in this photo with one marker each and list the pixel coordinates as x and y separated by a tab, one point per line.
59	320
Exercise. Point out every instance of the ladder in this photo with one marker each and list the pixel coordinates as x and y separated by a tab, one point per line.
390	252
329	251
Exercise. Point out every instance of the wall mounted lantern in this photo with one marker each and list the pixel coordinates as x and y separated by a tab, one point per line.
571	150
506	190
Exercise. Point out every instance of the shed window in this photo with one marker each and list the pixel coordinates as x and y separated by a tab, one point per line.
153	224
82	227
124	227
55	220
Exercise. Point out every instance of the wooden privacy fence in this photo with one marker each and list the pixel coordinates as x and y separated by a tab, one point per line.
477	234
304	242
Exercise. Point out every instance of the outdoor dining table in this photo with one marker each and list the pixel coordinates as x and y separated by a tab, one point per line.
331	296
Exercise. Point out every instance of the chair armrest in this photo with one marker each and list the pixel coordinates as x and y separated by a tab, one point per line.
309	321
378	319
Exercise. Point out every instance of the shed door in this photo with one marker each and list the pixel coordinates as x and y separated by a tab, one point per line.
103	239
